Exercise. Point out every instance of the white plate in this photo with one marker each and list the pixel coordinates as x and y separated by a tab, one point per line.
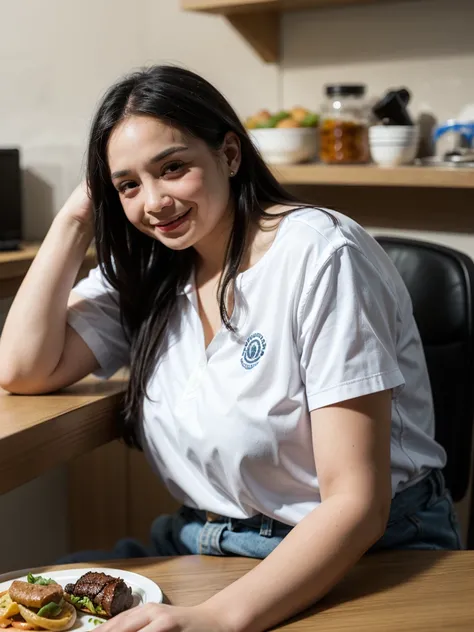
143	589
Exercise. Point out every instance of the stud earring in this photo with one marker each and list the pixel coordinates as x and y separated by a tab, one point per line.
232	174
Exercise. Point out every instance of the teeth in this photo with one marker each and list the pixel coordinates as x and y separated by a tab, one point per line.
175	219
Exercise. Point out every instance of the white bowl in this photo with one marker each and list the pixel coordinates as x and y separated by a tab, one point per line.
398	133
280	146
402	142
390	130
393	155
394	145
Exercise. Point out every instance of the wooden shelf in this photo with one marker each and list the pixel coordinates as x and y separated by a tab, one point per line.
373	176
14	265
250	6
258	21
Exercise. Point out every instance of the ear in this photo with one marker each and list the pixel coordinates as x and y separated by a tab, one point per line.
231	153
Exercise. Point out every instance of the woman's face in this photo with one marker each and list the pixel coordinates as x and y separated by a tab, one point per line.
172	186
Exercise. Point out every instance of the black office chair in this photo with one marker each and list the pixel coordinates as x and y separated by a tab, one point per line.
440	281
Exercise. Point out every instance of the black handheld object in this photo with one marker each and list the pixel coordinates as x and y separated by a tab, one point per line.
392	108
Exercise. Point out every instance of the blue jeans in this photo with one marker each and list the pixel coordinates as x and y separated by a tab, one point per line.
421	517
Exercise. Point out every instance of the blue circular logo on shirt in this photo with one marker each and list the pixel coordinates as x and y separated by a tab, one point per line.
253	350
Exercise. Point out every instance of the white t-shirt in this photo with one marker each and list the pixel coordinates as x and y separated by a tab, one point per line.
325	317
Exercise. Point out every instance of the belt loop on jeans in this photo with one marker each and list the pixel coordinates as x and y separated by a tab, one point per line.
440	482
266	527
436	482
213	517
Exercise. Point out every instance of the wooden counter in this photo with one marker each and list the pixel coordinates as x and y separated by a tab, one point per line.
39	432
14	265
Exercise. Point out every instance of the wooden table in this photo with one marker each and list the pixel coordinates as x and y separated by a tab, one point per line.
422	591
38	432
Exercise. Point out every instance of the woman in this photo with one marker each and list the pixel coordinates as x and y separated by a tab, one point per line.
277	379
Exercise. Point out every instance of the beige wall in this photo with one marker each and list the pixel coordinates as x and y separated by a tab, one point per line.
51	80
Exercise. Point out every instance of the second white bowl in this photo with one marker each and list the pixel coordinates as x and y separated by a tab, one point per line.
392	145
393	155
395	133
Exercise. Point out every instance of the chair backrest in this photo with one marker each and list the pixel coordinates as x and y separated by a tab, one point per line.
440	281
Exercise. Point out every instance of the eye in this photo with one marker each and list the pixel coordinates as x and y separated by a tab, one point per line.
173	168
126	186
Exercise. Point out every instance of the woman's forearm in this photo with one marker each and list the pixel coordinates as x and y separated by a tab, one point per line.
314	556
33	336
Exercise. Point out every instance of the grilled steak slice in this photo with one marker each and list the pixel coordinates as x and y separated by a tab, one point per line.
115	597
89	585
34	595
111	593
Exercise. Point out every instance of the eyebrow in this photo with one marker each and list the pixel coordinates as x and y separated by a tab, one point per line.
161	156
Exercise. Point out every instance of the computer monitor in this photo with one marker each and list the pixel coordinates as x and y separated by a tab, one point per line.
10	204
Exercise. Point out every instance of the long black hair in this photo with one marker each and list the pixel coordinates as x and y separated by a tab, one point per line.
146	274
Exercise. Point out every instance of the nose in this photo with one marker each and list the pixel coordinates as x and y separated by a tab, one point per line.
155	200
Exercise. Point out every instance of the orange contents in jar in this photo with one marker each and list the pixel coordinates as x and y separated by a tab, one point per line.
344	141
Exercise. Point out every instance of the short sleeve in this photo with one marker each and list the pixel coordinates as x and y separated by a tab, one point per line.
97	320
347	331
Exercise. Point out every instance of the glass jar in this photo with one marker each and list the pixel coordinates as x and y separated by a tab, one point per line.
344	126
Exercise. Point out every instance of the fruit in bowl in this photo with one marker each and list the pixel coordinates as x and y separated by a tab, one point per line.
286	137
283	119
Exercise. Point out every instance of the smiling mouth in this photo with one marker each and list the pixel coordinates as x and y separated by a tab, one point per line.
174	220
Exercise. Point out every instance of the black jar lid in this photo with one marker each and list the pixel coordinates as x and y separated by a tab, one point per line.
345	90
